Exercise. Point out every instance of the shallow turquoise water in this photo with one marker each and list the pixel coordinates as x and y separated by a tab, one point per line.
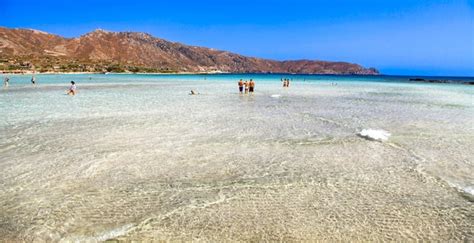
100	78
136	157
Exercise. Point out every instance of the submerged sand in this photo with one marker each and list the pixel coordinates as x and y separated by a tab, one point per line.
146	161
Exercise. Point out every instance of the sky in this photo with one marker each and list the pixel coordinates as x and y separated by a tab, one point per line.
400	37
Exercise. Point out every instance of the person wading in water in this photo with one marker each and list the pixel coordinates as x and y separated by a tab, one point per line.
241	86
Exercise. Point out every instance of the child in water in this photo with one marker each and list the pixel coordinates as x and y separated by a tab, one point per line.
72	89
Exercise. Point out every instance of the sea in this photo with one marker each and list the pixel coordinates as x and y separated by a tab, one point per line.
136	157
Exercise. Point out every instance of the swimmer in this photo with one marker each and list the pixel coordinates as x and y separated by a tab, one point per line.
33	80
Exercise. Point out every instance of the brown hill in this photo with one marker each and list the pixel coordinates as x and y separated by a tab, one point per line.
130	51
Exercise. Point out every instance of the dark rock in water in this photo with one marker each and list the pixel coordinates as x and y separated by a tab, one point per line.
442	81
438	81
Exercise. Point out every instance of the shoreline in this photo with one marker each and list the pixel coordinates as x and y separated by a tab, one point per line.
30	72
187	73
17	72
190	73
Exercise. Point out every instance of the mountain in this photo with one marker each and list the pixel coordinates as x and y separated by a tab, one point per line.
100	50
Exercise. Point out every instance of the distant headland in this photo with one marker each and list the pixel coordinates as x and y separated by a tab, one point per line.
26	50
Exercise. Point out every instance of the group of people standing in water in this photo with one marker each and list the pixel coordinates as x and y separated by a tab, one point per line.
249	86
246	86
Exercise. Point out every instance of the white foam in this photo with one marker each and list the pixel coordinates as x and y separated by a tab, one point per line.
275	96
468	189
465	189
375	135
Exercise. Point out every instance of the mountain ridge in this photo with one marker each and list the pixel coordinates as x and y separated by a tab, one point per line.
106	51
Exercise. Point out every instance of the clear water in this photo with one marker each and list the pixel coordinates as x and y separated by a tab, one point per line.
134	157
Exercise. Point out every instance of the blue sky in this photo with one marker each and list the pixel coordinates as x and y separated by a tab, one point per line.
418	37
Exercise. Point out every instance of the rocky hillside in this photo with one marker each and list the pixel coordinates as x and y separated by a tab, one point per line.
140	52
